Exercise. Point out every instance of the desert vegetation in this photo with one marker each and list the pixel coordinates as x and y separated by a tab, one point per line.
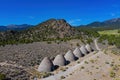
112	39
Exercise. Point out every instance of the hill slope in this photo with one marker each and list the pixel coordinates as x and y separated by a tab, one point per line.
50	30
53	28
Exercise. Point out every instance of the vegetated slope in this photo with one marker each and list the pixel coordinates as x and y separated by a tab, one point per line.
112	36
50	30
109	32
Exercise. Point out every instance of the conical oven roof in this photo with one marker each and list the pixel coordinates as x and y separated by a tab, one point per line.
46	65
69	56
59	60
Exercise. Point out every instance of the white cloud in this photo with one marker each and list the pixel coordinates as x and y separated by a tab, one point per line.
74	21
31	17
115	14
112	14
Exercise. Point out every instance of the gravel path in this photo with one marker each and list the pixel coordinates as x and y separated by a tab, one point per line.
96	45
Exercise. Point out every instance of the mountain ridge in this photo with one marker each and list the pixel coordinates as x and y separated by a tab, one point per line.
111	23
54	29
50	30
15	27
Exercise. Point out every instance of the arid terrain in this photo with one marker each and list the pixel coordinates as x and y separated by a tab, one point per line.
22	61
60	40
17	60
21	52
103	64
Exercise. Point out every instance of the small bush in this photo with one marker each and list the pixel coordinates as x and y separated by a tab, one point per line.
70	73
112	74
77	44
97	67
82	67
49	42
78	62
63	69
86	62
92	61
2	76
111	64
62	77
117	79
116	68
45	74
106	62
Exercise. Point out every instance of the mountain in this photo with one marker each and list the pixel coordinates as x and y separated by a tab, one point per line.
3	28
53	28
112	23
50	30
15	27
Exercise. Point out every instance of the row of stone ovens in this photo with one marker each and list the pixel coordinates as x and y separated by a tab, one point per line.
48	65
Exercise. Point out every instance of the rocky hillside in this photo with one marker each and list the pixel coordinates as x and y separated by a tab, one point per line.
50	30
53	28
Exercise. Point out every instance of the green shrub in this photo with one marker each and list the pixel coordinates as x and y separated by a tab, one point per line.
45	74
2	76
62	77
112	74
106	62
77	44
49	42
82	67
86	62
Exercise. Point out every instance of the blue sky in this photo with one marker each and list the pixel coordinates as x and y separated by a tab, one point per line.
76	12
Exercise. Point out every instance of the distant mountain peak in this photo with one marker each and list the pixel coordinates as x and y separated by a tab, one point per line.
113	20
112	23
15	27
